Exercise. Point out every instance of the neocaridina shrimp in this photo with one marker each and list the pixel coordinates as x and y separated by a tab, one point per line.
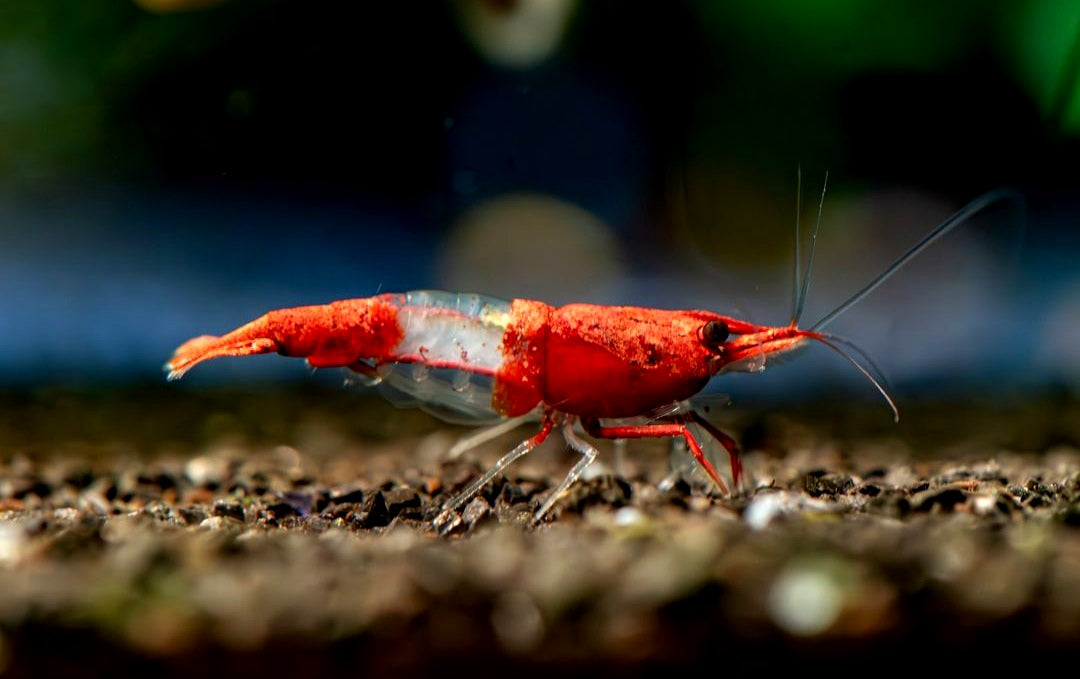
473	357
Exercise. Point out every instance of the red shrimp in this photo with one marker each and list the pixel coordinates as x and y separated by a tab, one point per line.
469	356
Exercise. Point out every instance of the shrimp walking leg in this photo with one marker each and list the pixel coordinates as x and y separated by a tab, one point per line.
677	425
467	443
588	454
732	448
504	462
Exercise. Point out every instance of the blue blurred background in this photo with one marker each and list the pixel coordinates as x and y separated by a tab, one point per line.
171	168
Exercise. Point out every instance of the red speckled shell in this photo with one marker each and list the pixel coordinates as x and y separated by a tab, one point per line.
339	333
519	382
622	361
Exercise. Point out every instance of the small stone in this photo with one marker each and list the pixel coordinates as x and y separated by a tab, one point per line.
953	476
161	480
630	517
1018	492
373	512
231	509
402	500
198	496
614	490
344	511
37	488
476	512
947	499
510	495
280	510
818	484
317	524
351	496
984	504
767	506
302	503
13	542
457	473
206	471
79	478
221	523
676	491
699	504
11	505
192	515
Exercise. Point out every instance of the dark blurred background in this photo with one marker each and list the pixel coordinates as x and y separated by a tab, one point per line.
171	168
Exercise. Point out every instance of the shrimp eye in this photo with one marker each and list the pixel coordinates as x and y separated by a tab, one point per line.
715	332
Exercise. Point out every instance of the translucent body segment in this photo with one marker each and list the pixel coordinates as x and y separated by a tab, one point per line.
451	395
448	356
452	330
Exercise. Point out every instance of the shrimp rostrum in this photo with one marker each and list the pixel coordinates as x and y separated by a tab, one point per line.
474	357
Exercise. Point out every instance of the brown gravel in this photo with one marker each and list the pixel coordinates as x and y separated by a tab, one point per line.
178	531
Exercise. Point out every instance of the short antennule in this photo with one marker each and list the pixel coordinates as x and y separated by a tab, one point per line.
805	290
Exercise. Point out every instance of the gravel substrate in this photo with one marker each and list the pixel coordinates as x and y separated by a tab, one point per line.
182	531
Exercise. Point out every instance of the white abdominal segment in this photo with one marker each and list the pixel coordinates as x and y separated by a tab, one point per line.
451	349
444	328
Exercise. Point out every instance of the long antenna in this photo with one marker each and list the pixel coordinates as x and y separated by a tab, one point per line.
813	249
796	275
972	208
